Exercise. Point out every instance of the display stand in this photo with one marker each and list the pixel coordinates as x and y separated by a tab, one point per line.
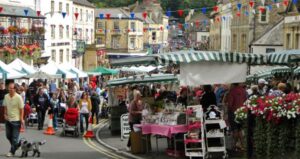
215	131
194	140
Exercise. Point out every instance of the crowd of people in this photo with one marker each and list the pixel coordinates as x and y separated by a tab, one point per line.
228	98
42	97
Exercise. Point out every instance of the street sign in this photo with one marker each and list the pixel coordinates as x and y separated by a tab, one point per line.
125	128
80	47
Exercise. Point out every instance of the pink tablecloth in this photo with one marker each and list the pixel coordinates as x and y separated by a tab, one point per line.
163	130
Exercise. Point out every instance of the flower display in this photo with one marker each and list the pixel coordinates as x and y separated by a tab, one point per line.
23	30
12	29
271	108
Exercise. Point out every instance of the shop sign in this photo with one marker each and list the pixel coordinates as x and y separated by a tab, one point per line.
125	128
80	47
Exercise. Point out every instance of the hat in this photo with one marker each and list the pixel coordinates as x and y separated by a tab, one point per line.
262	81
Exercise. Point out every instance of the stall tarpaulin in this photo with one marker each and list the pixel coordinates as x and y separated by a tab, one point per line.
203	73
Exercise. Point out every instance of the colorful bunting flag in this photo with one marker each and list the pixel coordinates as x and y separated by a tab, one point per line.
262	9
263	2
38	13
197	23
120	15
64	14
26	11
216	8
180	12
204	10
251	4
107	16
145	14
295	1
132	15
101	16
169	13
270	7
1	9
239	6
286	2
76	15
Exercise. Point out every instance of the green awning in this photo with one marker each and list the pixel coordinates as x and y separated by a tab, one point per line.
134	61
283	57
144	79
103	71
198	56
281	70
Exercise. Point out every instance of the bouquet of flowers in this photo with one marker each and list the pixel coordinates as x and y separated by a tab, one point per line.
241	114
13	29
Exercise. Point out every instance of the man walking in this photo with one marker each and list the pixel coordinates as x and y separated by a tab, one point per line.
13	114
42	104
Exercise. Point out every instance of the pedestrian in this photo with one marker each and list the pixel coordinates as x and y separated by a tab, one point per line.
3	92
262	86
42	104
85	107
54	103
208	98
135	112
13	114
236	97
95	100
72	103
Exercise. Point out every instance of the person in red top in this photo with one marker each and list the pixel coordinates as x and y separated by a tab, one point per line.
236	97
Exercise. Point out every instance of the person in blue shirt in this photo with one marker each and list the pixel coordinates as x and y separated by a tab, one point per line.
52	88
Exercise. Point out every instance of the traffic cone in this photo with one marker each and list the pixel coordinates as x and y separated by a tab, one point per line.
50	130
90	133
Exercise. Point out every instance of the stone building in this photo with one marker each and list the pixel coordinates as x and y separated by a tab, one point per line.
292	27
252	23
215	31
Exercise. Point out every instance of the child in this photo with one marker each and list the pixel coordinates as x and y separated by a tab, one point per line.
27	110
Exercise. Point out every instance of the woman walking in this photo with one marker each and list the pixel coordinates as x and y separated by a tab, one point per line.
85	107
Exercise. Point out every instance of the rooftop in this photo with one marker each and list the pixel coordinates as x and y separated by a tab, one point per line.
18	11
84	2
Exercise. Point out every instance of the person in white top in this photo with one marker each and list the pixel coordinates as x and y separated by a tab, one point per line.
85	107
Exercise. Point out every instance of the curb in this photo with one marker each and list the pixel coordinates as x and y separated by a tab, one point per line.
113	148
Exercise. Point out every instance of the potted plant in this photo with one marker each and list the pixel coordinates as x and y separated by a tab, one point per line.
12	29
23	30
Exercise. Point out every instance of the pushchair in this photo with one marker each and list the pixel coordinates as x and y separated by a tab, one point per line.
70	124
31	116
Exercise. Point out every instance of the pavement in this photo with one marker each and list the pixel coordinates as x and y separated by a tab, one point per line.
117	145
58	147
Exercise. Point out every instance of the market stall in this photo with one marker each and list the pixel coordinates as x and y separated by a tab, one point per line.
6	72
22	67
53	69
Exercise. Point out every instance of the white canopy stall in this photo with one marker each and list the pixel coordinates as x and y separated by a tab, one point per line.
6	72
21	66
53	69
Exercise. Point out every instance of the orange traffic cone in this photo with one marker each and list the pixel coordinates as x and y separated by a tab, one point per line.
90	133
50	130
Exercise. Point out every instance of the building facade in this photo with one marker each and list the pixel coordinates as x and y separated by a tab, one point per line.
83	30
215	31
292	27
21	31
250	23
226	15
58	44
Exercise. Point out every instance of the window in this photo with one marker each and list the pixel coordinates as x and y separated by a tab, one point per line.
61	55
80	14
68	55
53	31
234	42
100	25
86	35
268	50
243	43
297	44
52	7
288	41
60	7
80	33
153	35
61	31
116	25
132	26
263	16
53	55
132	43
67	31
203	38
86	15
67	8
99	40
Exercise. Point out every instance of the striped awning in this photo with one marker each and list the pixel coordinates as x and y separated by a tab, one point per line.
198	56
283	57
144	79
265	74
278	70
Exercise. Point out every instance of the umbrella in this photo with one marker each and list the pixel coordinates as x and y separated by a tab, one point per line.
103	71
43	75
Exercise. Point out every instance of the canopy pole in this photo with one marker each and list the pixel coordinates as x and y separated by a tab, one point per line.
293	68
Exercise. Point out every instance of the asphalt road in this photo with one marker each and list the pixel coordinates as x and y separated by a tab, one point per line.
58	147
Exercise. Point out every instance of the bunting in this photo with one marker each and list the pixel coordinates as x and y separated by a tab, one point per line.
64	14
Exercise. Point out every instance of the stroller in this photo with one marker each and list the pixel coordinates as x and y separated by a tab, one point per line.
70	124
31	116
